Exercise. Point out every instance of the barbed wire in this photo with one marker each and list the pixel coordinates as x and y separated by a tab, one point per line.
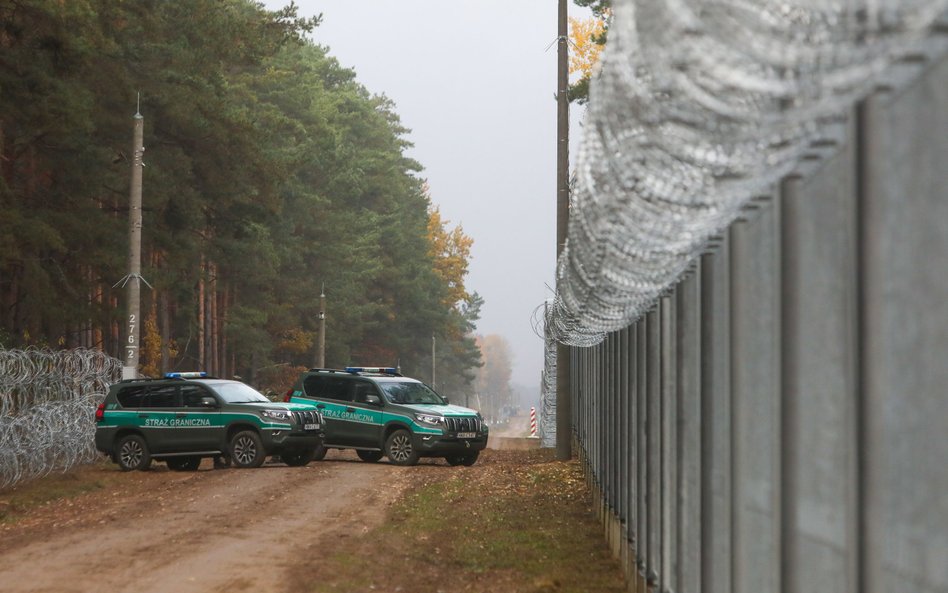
699	108
546	421
47	409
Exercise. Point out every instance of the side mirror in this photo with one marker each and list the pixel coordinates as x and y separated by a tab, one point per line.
445	400
373	399
208	402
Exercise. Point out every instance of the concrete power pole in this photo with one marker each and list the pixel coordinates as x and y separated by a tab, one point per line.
563	403
321	345
134	278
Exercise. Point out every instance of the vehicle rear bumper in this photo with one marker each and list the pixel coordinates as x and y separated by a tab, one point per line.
105	438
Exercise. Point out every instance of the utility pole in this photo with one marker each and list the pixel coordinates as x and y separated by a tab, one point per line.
321	344
134	278
563	403
433	342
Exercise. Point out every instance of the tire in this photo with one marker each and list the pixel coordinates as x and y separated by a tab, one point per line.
400	449
465	459
298	458
184	464
369	456
246	449
131	453
319	453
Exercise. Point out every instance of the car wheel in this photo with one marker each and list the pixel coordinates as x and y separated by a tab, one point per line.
399	448
246	449
369	456
298	458
184	464
319	453
131	453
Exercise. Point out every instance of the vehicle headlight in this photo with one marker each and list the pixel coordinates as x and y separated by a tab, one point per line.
483	424
429	419
279	415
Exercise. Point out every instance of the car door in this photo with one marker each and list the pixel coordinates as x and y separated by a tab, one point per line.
364	420
331	395
201	424
156	415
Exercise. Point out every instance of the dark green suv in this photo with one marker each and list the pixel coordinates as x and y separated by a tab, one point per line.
187	416
377	411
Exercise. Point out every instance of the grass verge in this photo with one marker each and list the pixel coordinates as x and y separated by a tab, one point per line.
19	500
517	521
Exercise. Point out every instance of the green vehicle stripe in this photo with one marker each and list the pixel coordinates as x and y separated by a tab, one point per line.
179	419
336	411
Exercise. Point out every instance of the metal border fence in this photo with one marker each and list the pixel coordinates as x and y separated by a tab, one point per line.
778	422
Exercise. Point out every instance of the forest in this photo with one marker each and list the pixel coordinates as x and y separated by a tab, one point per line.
271	174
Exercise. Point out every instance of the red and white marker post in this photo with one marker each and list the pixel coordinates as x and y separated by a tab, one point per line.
533	423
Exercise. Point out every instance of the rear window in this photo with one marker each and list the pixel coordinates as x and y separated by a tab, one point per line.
161	397
148	396
323	387
131	397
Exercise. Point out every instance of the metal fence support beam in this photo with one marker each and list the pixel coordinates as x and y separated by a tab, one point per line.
904	231
688	384
716	419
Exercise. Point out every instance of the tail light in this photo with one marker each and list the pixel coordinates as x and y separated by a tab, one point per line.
100	412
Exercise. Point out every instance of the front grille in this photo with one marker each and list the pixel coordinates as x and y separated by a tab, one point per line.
308	417
462	424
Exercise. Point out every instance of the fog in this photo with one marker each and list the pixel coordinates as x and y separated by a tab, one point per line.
475	83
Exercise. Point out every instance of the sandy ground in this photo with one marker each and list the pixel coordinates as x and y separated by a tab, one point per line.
211	530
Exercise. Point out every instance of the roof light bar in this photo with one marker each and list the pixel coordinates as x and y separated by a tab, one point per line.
186	375
386	370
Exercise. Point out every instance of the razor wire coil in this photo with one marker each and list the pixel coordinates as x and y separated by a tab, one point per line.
700	107
47	409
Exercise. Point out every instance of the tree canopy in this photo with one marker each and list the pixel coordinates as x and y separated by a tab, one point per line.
271	174
587	39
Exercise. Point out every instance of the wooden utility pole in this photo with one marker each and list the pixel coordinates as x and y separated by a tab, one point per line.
563	404
134	278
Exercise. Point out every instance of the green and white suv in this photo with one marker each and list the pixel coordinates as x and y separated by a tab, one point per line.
377	411
187	416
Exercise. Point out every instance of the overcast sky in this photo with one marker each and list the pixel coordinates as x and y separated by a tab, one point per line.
474	81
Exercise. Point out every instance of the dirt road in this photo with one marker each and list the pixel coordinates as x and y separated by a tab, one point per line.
210	530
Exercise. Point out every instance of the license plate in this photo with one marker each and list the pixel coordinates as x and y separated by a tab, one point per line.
466	435
310	427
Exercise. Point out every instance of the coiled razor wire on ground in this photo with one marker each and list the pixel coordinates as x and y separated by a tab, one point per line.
47	409
699	107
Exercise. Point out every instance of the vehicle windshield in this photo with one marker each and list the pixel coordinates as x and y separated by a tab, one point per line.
404	392
238	393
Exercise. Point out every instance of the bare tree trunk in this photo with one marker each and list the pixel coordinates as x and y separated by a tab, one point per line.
15	311
114	346
202	363
164	321
214	366
225	294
